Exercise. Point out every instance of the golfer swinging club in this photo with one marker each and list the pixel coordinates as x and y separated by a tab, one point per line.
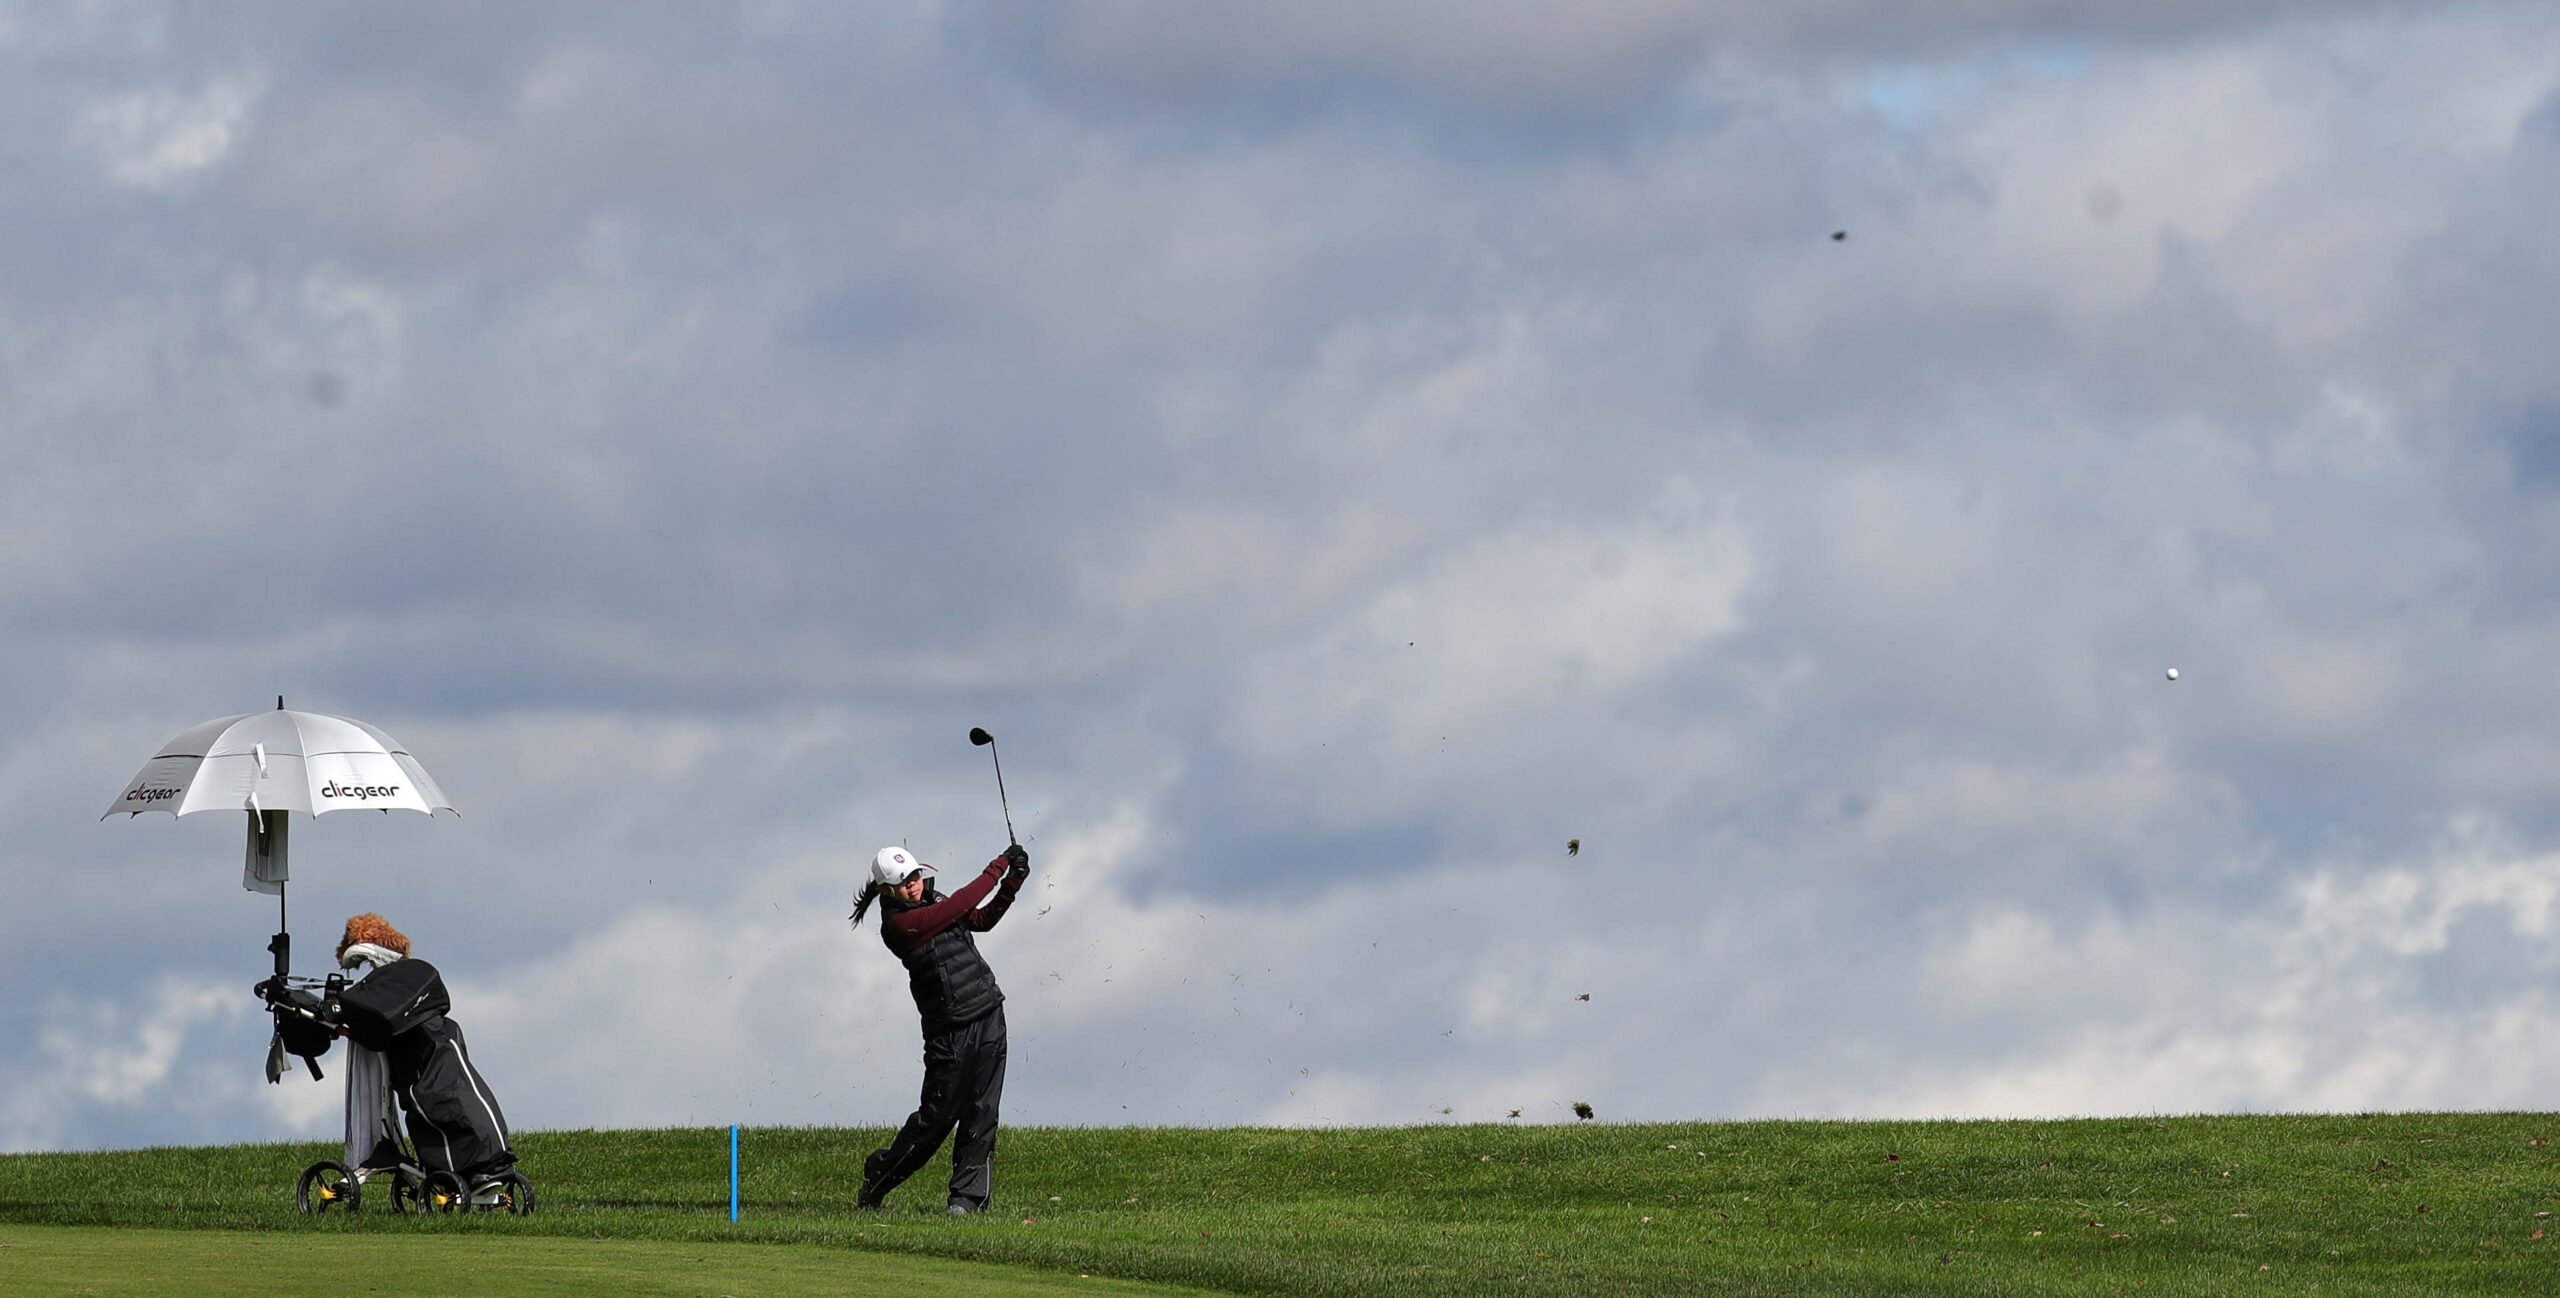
963	1013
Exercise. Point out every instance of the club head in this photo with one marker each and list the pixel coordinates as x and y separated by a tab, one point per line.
980	737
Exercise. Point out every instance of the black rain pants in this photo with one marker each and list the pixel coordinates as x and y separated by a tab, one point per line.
963	1087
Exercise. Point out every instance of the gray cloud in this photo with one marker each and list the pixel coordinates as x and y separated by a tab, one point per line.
680	429
1520	56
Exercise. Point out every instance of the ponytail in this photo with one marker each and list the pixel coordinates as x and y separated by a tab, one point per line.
863	903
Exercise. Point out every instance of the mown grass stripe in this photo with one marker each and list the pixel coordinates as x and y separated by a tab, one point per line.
110	1261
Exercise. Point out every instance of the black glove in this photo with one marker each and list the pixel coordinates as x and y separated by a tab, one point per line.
1017	862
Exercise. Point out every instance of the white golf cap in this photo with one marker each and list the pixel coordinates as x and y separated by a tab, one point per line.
894	866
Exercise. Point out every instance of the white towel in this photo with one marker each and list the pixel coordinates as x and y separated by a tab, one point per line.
373	1117
264	870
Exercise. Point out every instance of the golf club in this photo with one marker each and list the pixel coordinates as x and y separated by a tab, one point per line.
979	736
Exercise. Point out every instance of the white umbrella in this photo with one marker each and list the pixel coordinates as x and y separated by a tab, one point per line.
271	765
281	761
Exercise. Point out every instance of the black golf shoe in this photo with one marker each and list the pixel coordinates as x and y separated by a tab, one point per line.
869	1197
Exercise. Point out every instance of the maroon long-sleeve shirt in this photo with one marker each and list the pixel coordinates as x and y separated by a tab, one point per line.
905	930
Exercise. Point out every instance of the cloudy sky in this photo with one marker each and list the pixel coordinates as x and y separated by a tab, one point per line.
1345	450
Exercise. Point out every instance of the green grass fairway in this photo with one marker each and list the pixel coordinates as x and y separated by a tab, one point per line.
51	1260
2416	1204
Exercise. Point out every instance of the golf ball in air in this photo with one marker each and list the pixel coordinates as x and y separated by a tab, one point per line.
2173	673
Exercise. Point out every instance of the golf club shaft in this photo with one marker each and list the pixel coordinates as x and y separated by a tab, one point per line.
1000	798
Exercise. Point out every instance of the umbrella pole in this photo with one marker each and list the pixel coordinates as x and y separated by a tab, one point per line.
281	945
267	830
284	931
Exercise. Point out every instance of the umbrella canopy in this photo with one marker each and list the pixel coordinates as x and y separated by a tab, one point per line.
303	762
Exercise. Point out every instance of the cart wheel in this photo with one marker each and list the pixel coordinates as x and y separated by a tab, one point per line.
325	1185
443	1193
507	1192
408	1191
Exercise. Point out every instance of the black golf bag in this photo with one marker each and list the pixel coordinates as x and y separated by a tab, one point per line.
454	1120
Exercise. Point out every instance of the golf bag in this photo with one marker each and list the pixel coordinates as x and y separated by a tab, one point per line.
391	1001
454	1121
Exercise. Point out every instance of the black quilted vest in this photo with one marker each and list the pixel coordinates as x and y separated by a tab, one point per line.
951	983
